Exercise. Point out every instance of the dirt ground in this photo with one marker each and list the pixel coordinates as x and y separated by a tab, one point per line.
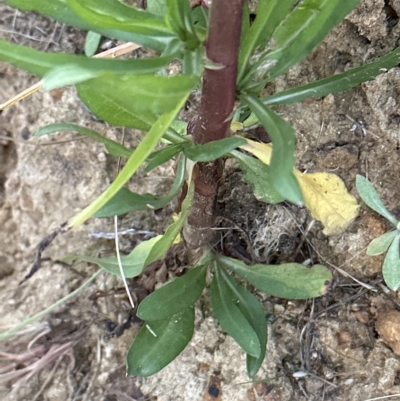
332	348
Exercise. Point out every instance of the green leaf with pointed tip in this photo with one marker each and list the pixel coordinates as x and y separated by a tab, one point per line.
212	150
381	244
147	251
258	175
144	28
289	280
371	198
92	42
127	201
298	36
147	94
336	83
252	310
113	148
282	160
137	158
232	320
161	156
133	264
40	63
269	14
391	265
159	342
178	17
175	296
61	11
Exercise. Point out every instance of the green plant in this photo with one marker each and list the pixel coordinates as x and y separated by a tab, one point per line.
387	242
233	59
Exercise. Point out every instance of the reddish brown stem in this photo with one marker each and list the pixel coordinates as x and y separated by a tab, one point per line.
213	121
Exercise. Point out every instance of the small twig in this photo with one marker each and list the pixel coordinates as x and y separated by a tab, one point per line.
384	397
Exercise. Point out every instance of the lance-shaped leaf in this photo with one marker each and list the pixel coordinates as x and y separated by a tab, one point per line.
39	62
325	195
290	280
282	160
252	310
298	35
159	342
144	28
148	93
381	244
269	14
178	17
212	150
136	159
60	11
391	265
371	198
113	148
161	156
336	83
258	175
127	201
175	296
231	318
147	251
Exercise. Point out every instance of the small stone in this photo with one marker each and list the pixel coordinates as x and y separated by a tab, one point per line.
388	327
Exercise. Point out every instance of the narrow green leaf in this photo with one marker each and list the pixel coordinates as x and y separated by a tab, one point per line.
162	246
290	280
325	14
258	175
144	28
269	14
230	317
92	42
381	244
252	310
40	63
179	19
391	265
159	342
175	296
126	201
161	156
133	264
56	9
67	75
371	198
212	150
113	148
282	160
336	83
147	251
148	93
136	159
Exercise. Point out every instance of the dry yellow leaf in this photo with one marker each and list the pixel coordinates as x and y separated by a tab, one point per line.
325	195
328	200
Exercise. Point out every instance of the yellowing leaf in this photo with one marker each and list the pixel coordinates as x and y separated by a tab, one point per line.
236	126
325	195
262	151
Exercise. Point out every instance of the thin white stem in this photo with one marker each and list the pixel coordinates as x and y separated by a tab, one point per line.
121	269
